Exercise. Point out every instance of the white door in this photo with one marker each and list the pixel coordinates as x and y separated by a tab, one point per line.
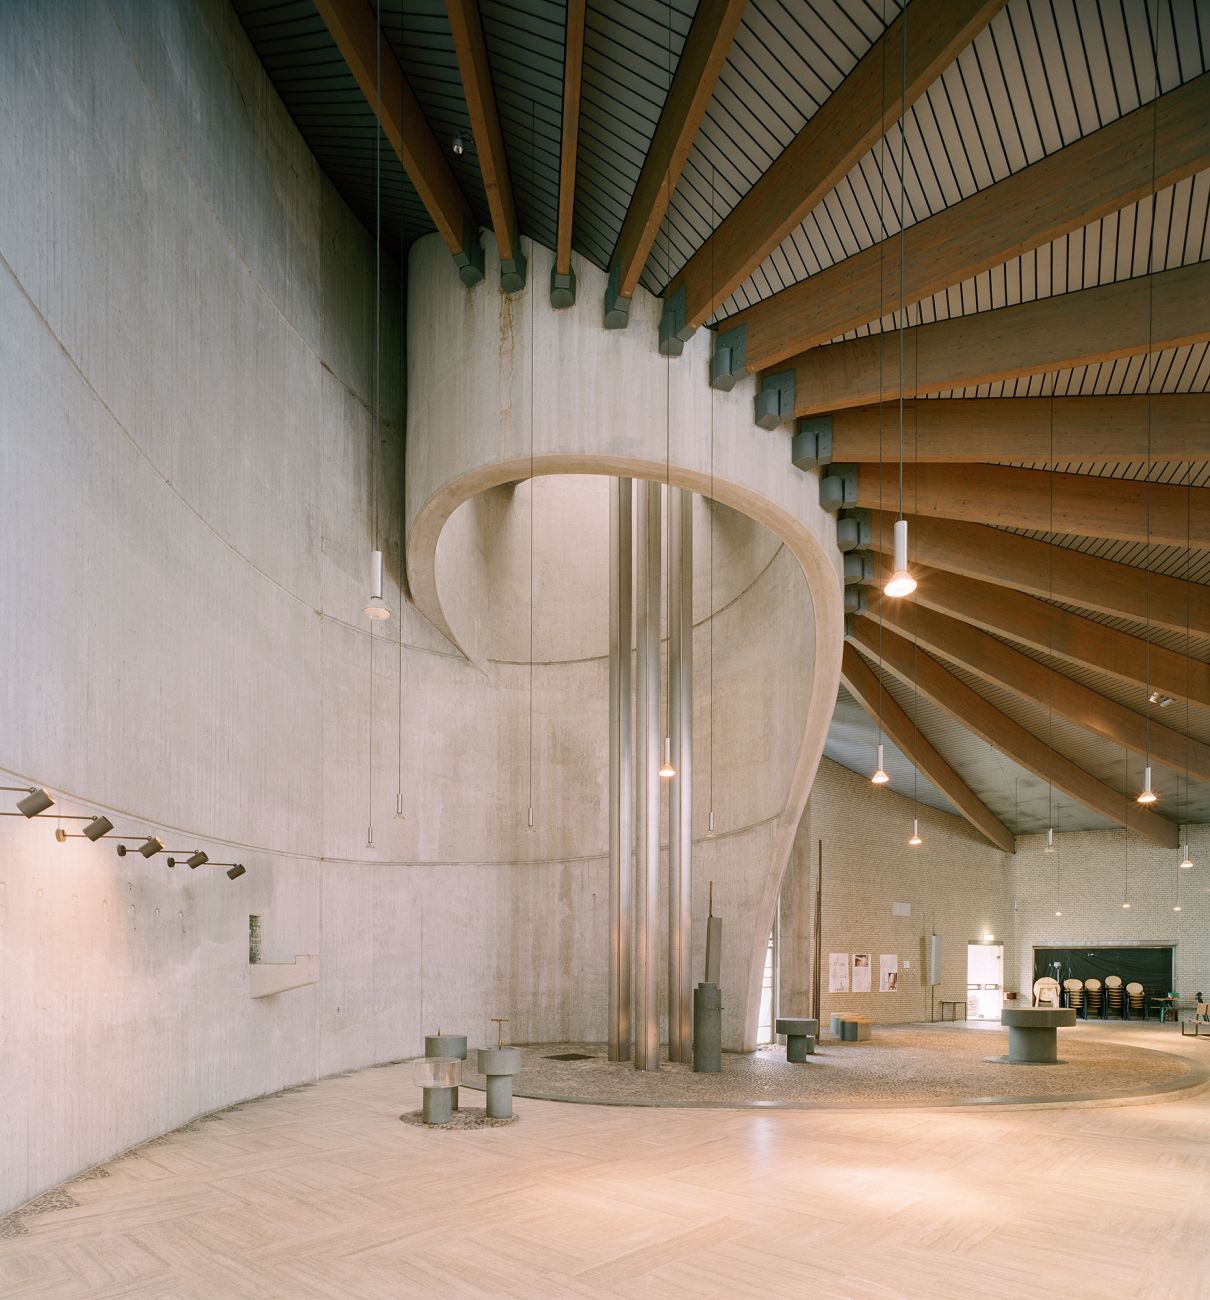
984	980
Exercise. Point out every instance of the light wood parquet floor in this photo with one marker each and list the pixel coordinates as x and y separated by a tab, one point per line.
323	1193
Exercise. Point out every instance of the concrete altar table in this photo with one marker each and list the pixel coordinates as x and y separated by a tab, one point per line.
800	1037
1033	1033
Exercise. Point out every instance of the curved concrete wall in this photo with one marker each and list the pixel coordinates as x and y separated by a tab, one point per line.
504	389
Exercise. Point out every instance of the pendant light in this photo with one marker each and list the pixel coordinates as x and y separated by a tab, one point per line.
881	776
901	583
1186	862
376	607
667	771
1147	794
1050	840
915	841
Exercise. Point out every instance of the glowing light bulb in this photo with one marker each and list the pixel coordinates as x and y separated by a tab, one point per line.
915	840
1125	907
881	776
1147	794
1176	907
1058	913
901	582
667	771
1186	862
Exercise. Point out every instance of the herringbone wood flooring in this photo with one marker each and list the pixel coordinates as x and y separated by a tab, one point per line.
323	1193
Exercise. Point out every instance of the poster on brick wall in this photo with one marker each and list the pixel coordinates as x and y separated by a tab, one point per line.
888	973
838	972
861	972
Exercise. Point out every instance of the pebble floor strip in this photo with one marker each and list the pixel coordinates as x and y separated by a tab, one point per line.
903	1063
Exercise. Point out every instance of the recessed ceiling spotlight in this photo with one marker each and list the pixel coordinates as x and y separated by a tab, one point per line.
1158	697
458	144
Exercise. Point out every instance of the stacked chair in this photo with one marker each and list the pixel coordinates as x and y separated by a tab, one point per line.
1135	1000
1075	994
1092	991
1046	992
1114	995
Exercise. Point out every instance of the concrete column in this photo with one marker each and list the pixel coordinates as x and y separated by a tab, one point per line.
680	816
621	760
647	780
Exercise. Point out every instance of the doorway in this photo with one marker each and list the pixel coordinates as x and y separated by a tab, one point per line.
984	980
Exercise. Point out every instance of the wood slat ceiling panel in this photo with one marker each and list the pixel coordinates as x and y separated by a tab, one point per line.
331	114
1042	74
630	55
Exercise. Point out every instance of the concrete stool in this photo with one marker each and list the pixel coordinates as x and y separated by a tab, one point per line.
440	1079
800	1037
446	1047
498	1065
857	1029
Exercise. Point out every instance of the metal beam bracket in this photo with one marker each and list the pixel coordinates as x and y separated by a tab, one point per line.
512	271
469	258
812	445
727	363
562	288
775	399
838	489
617	308
854	530
858	569
674	332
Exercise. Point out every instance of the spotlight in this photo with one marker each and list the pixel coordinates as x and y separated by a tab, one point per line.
35	802
149	848
97	827
667	771
458	144
881	776
1158	697
236	871
901	582
376	607
197	859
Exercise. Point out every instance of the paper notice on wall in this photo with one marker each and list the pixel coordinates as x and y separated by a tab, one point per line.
861	972
838	972
888	973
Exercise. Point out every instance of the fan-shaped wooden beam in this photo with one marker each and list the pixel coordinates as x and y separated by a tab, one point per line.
996	662
702	58
899	729
1081	430
563	284
1093	583
466	26
1058	632
1069	329
848	124
1080	504
936	683
355	30
1096	175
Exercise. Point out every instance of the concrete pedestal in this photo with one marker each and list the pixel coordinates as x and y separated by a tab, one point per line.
800	1037
445	1047
438	1105
1033	1037
439	1078
707	1029
498	1065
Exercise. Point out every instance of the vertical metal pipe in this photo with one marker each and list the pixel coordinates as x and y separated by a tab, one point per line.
683	748
675	843
621	759
647	781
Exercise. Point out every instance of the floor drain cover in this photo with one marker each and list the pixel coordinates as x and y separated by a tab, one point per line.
571	1056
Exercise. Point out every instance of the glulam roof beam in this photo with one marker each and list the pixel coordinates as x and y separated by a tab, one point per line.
840	132
920	670
697	71
466	27
562	277
354	28
1068	329
991	659
1101	173
899	729
1056	572
1082	505
1062	634
1080	430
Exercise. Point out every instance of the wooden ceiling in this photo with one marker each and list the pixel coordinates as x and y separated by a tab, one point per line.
975	237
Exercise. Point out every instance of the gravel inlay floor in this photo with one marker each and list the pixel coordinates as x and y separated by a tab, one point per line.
904	1064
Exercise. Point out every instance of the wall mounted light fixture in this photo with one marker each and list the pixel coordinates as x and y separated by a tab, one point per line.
149	848
36	800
